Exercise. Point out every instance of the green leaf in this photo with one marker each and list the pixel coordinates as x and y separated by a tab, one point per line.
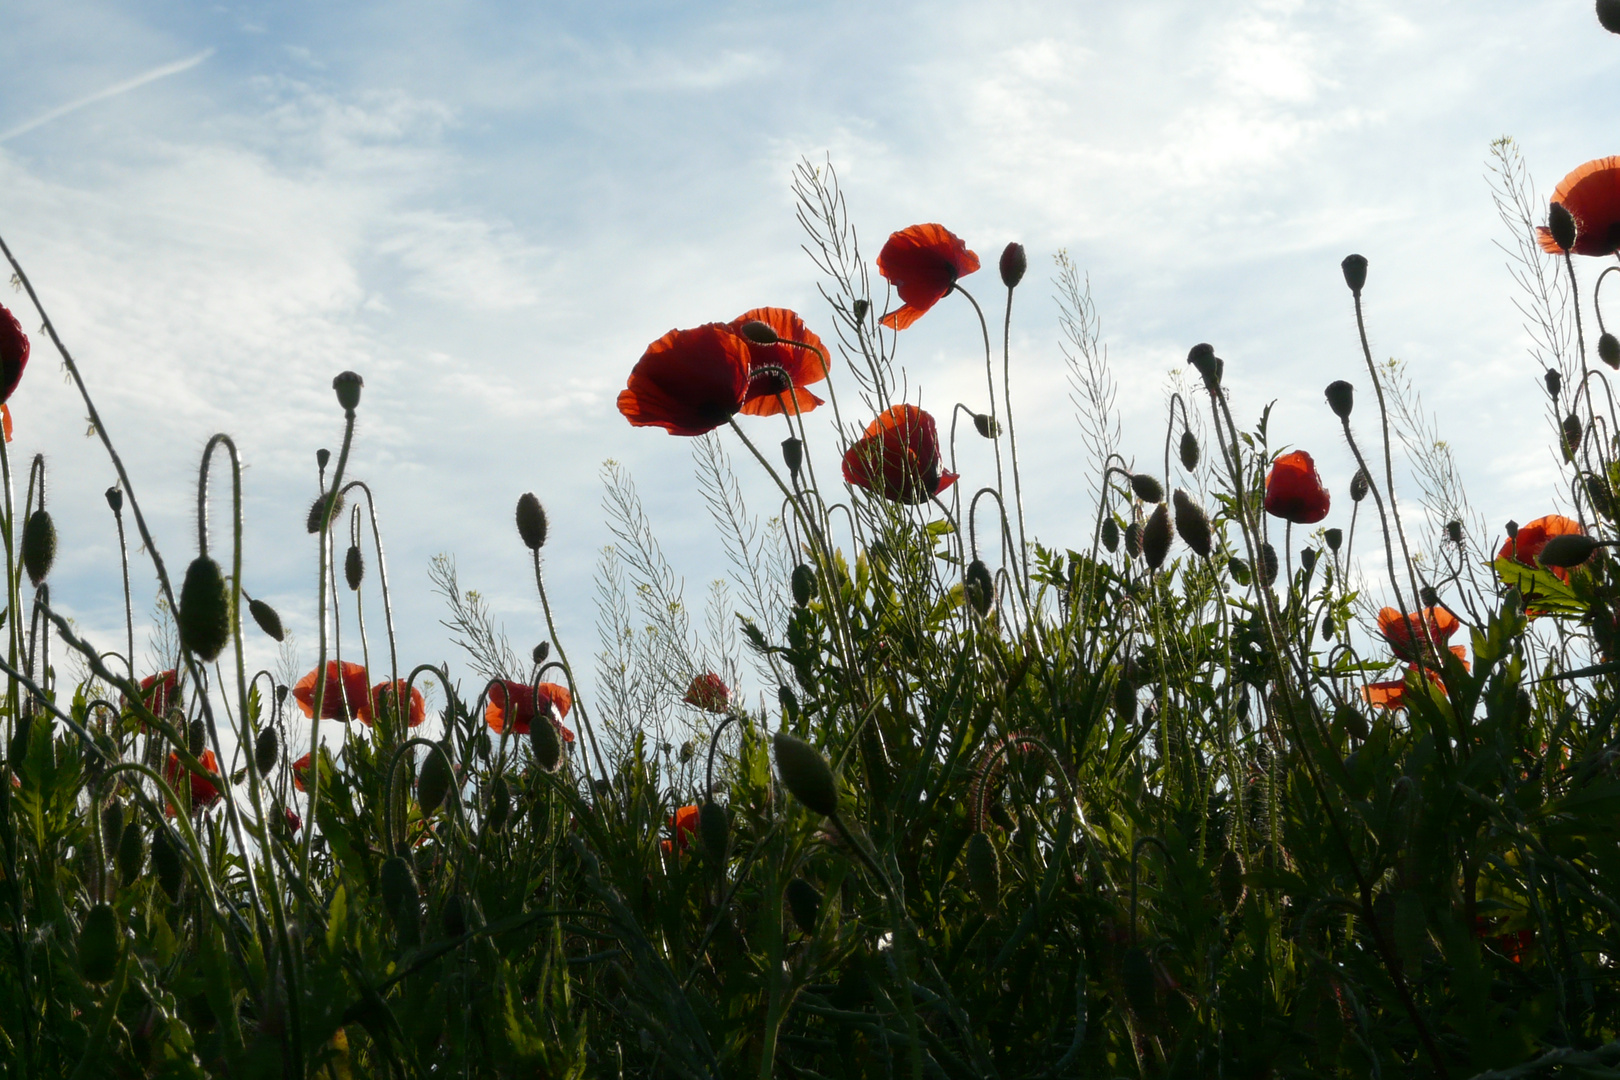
1544	593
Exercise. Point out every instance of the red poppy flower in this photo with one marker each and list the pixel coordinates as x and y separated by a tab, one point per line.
708	693
1435	623
520	698
300	771
5	419
767	394
203	793
1591	194
688	382
346	695
1294	492
682	827
922	263
899	457
385	697
1526	546
160	691
13	357
291	820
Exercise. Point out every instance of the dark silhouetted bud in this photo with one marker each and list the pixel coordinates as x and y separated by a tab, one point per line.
545	742
1454	531
715	829
804	904
541	651
322	456
1146	488
1229	880
986	425
1572	435
1268	563
1192	524
1133	539
806	774
1609	349
1327	628
1599	495
398	887
1341	398
1355	272
1608	13
317	510
348	386
434	783
265	750
171	873
1156	537
281	693
1141	985
1561	224
859	309
793	455
454	916
38	546
1189	451
99	941
1110	534
804	585
112	824
1568	550
354	567
1428	597
760	333
196	737
1014	262
1334	538
268	620
1124	700
1209	366
500	803
204	618
1307	560
115	499
1554	381
1360	484
980	587
131	853
984	870
1512	529
531	521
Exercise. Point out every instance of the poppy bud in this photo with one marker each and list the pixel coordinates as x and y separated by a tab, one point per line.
1428	597
112	823
1124	701
1133	539
1554	381
322	456
531	521
318	512
760	333
171	873
1609	349
1598	494
541	651
544	741
1192	524
806	774
1110	534
1334	538
1561	224
398	886
804	585
980	587
1327	628
354	567
984	870
1156	537
38	546
1208	364
434	783
1189	451
1608	13
268	620
1268	563
98	944
1355	272
454	916
1512	529
1146	488
859	309
1229	880
1307	560
1341	398
715	828
265	750
281	693
1454	531
1360	484
1572	434
204	619
500	803
348	386
793	454
1013	264
986	425
1141	986
1568	550
131	853
115	499
804	904
196	737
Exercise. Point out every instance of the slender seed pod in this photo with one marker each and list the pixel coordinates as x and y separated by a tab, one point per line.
398	887
1110	534
1189	450
806	774
804	904
1147	488
265	751
131	853
1156	537
268	620
99	944
434	783
38	546
531	521
354	567
984	871
714	825
1192	524
204	618
171	872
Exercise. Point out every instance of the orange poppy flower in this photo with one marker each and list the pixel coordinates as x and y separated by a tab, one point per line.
203	793
682	827
346	694
300	771
688	382
767	395
1591	194
899	457
1294	491
1435	623
520	699
1525	547
385	697
13	357
708	693
160	691
923	264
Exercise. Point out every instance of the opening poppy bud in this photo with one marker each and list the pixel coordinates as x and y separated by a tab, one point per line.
1209	366
1014	263
1355	272
1307	560
171	872
986	425
1334	538
806	774
98	944
984	870
715	828
1572	435
131	853
1454	531
1428	597
804	904
1561	223
1110	534
265	749
1609	349
398	886
1146	488
318	513
1268	563
1360	484
980	587
1554	381
804	585
354	567
434	783
1608	13
1568	550
1192	524
1189	451
544	741
1156	537
196	737
348	386
115	499
758	332
1133	539
322	456
793	455
38	546
531	521
859	310
500	805
268	620
541	651
1341	398
204	619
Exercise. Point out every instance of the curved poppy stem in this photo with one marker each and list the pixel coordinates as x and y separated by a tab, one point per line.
123	562
1389	550
382	579
568	670
1012	437
990	381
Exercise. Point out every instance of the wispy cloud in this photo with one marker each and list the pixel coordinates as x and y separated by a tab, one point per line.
161	72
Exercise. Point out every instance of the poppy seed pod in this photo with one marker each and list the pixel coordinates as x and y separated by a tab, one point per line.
318	510
1189	451
98	944
759	332
1133	539
1192	524
986	425
500	805
1156	537
1572	434
1209	366
980	587
1146	488
1554	382
1327	628
1608	13
804	904
397	885
434	783
1307	559
804	585
858	310
1334	538
544	741
715	828
984	870
1568	550
1561	224
531	521
348	386
268	620
1341	398
322	456
38	546
354	567
115	499
793	455
1014	263
204	619
265	750
1608	349
1110	534
1355	272
131	853
1268	563
1360	484
1454	531
806	774
171	872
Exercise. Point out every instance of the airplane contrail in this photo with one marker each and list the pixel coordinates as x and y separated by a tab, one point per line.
112	91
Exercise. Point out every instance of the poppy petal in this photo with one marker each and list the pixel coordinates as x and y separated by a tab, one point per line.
688	382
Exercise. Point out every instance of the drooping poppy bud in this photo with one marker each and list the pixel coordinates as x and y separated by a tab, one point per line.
984	870
1014	263
398	887
541	651
980	587
1124	700
1192	524
115	499
1110	534
265	751
348	386
545	741
714	826
38	546
1268	560
1341	398
1209	366
1572	435
1570	549
1334	538
1133	539
806	774
531	521
1598	494
1189	451
1240	574
1146	488
1561	224
131	853
793	455
196	737
1327	627
986	425
1608	13
318	510
1608	349
1156	536
171	873
1229	880
1554	381
1355	272
268	620
204	618
1428	597
434	783
112	823
804	585
99	940
1360	484
759	332
354	567
804	904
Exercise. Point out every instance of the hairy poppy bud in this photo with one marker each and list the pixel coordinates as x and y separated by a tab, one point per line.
204	618
760	333
793	455
804	904
1156	537
544	741
398	886
1608	349
196	737
1229	880
1355	272
1608	13
1014	262
171	872
1572	435
99	944
1192	524
984	870
454	916
1133	539
112	823
500	803
318	510
980	587
1268	563
715	829
986	425
1561	224
804	585
1360	484
1554	381
806	774
1334	538
322	456
1428	597
1146	488
1327	628
1125	700
859	309
354	567
1141	986
1209	366
541	651
1568	550
1454	531
1341	398
1110	534
1307	560
434	783
531	521
1189	451
131	853
281	693
268	620
115	499
1598	494
265	750
348	386
38	546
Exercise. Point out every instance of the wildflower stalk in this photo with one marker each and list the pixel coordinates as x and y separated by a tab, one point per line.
568	669
1021	562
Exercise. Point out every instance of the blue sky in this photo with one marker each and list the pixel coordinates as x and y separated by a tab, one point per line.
489	211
